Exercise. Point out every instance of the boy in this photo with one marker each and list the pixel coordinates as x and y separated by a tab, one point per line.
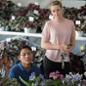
24	68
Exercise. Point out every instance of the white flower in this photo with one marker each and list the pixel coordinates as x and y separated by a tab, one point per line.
36	12
31	19
13	17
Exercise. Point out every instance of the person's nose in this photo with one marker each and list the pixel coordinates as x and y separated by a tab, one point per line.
27	55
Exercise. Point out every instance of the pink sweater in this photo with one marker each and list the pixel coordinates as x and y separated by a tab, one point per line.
57	33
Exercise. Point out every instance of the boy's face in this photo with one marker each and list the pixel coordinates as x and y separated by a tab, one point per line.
25	56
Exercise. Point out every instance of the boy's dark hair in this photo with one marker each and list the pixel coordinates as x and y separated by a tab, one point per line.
23	47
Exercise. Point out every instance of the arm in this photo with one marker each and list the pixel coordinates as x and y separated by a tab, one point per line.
48	45
45	40
11	74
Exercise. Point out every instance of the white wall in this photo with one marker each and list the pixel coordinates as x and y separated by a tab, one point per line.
44	3
75	3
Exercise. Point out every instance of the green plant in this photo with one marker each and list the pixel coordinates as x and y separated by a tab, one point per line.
6	82
50	82
56	78
34	80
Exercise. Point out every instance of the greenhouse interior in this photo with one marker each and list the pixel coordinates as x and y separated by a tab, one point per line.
42	42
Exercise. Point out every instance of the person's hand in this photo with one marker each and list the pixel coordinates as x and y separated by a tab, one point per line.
65	48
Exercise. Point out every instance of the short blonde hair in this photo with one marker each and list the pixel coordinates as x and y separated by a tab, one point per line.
56	2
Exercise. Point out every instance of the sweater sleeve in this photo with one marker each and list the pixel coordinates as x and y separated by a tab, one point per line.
11	74
46	32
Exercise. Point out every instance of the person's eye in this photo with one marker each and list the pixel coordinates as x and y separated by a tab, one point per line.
28	53
53	11
23	54
58	9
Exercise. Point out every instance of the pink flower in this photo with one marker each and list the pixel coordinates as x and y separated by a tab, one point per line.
55	75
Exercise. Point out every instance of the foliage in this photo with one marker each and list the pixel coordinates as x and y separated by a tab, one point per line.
17	24
72	79
34	80
31	16
57	79
7	9
6	82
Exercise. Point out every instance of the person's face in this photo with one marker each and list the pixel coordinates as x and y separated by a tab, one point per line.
25	56
56	10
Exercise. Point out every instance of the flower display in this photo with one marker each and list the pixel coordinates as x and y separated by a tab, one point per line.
35	16
72	79
34	80
55	79
55	75
32	16
6	82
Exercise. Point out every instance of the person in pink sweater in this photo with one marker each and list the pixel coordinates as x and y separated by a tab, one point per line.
58	39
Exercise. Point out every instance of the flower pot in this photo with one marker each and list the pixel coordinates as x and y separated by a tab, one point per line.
29	30
32	30
26	30
1	28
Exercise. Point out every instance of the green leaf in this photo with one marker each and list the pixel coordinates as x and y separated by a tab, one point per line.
25	82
